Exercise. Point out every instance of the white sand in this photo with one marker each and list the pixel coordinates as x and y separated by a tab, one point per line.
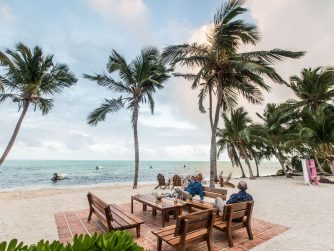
308	211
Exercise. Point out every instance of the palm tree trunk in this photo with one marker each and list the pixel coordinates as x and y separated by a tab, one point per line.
280	159
257	167
331	164
318	164
16	131
135	134
242	169
213	146
251	175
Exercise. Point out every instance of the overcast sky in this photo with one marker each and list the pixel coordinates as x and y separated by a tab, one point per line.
82	34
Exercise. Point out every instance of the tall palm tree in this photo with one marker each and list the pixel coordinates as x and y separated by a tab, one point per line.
138	80
31	78
224	73
314	88
279	125
237	134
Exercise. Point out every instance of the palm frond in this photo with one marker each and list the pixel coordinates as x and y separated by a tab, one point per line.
108	106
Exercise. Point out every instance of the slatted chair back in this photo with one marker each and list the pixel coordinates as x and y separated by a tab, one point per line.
238	212
177	181
202	222
100	209
161	180
213	192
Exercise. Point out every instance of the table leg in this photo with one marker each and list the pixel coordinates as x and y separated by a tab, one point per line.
167	216
163	216
131	205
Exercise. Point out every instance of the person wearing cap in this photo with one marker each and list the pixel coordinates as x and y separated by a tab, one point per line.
194	188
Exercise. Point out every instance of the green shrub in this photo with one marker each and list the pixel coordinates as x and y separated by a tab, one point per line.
115	241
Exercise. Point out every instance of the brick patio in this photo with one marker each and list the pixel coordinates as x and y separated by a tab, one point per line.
75	222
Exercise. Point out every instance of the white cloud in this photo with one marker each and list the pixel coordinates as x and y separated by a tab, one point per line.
132	13
125	9
6	13
164	118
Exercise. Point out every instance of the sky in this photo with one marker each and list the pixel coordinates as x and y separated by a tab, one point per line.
82	33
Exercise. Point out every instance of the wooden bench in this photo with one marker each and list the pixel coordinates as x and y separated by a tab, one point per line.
210	192
189	230
236	216
111	215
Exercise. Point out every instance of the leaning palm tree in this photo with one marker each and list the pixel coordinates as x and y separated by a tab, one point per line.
224	73
30	79
226	143
237	135
138	80
314	88
278	128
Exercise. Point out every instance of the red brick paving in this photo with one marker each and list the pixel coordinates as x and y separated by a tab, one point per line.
75	222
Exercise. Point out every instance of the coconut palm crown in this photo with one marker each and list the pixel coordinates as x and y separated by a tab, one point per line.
30	78
313	88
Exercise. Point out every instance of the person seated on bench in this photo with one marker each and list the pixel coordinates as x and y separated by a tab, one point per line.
195	187
241	196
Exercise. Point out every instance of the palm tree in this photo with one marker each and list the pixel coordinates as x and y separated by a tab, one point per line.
224	73
314	88
237	135
279	125
226	143
138	80
31	78
317	131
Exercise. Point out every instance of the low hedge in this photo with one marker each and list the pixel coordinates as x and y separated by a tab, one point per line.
114	241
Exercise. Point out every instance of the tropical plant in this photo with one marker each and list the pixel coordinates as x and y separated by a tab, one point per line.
115	241
317	131
138	80
225	143
237	134
314	88
31	78
224	73
279	125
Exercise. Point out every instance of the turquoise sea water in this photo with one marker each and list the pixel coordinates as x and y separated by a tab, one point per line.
37	173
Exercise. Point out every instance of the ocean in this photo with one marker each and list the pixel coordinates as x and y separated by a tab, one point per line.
34	174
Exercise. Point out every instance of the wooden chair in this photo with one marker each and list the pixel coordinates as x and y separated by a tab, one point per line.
111	216
162	182
177	181
189	230
236	216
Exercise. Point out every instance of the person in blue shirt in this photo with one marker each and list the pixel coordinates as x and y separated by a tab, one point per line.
194	188
241	196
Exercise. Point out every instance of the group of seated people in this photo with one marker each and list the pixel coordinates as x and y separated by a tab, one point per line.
195	187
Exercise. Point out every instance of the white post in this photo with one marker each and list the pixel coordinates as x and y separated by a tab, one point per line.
305	172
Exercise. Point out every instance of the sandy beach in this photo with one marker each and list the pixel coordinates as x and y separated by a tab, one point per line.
307	211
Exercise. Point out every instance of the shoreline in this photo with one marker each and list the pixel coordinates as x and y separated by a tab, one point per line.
78	186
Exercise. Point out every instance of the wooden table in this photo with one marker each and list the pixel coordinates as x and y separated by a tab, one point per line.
165	205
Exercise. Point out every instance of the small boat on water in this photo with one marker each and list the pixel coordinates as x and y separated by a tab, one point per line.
58	176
